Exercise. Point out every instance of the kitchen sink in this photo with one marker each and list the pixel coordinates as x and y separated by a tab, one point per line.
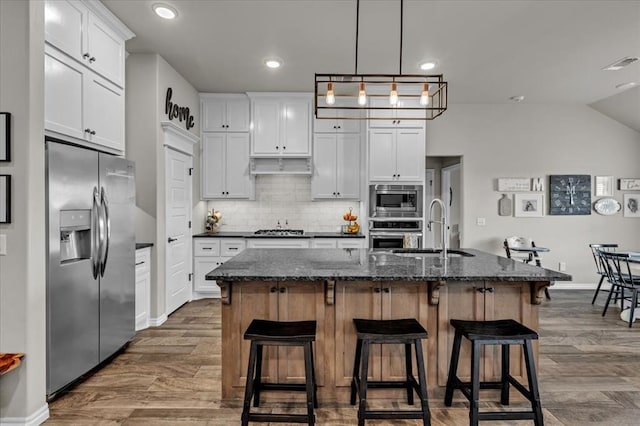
430	253
279	232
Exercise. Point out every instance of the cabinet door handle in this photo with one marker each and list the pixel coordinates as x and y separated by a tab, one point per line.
92	59
170	240
273	289
338	194
490	289
87	130
284	147
86	55
283	289
139	263
277	147
206	248
93	132
386	290
398	176
377	290
481	290
233	248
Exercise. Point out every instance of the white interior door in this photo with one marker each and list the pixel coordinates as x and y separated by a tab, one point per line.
178	215
451	195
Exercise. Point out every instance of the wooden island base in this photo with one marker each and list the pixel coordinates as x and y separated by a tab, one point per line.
333	304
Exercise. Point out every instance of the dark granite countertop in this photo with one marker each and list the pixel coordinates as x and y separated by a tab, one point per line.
363	264
143	245
250	234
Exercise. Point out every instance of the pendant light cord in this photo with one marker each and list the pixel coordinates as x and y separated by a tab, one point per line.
357	30
401	33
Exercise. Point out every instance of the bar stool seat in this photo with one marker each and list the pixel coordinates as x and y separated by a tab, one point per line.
501	332
402	331
279	333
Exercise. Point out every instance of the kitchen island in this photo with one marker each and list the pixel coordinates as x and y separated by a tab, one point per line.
333	286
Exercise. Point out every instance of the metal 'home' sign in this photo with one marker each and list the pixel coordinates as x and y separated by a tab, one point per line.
175	111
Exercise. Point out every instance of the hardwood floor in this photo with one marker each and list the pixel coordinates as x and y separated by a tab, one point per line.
170	375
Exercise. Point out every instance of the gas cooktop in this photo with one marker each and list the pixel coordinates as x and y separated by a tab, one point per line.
279	232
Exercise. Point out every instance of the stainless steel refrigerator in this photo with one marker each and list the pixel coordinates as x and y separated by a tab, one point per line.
91	256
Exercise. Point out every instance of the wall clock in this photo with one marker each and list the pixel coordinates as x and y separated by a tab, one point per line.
570	194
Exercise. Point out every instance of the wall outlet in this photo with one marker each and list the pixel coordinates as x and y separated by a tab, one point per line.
562	266
3	245
481	221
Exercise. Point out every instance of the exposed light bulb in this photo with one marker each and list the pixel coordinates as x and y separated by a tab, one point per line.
424	98
330	98
393	96
362	96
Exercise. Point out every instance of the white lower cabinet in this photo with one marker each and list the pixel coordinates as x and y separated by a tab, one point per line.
208	254
337	243
278	243
143	288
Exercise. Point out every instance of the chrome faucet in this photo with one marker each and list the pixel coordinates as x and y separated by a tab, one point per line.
444	239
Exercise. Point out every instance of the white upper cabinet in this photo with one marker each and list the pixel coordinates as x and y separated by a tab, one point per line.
342	124
97	42
397	118
225	166
81	104
396	155
281	124
336	160
84	74
225	113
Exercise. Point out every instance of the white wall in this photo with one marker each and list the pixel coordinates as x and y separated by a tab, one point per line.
148	77
284	197
22	271
529	140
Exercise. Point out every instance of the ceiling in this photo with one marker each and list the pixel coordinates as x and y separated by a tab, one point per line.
488	51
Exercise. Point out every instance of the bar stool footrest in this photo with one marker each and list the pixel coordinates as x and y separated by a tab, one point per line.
393	414
278	418
507	415
282	386
393	385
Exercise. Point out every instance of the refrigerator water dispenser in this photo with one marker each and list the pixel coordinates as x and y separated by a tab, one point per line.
75	235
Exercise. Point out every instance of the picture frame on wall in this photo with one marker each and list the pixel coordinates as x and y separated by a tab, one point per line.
631	205
5	198
629	184
603	186
528	205
5	136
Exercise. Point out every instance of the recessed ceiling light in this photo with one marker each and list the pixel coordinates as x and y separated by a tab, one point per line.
626	85
516	99
618	65
273	63
428	65
165	11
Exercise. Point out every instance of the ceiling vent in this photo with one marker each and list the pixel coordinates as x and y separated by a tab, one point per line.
618	65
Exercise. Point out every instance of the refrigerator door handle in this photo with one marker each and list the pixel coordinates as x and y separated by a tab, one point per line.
95	234
107	231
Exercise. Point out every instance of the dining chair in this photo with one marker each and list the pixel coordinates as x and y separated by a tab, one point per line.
622	281
512	243
596	249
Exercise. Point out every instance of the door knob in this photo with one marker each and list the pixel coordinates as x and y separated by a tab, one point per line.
170	240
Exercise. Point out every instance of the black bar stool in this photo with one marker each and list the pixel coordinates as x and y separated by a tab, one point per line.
279	333
505	333
402	331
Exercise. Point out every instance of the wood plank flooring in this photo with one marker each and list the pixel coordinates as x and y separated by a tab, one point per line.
170	375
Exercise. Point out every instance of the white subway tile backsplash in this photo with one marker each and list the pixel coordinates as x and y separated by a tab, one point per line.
283	198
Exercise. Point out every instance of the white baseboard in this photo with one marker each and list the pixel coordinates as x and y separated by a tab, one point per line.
197	296
158	321
577	286
34	419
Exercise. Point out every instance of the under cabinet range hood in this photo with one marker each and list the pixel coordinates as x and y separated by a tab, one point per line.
280	165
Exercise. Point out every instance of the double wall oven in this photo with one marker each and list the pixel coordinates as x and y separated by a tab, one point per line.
395	216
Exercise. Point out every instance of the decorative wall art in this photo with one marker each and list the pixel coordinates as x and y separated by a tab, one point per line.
570	194
607	206
514	184
528	205
629	184
5	136
5	199
603	186
631	205
504	205
537	184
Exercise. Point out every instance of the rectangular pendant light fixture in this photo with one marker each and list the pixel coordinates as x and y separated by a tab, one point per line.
379	96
